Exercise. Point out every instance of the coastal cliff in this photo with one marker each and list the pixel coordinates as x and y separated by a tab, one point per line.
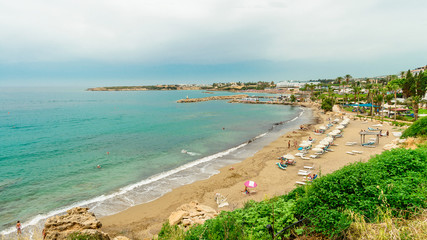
190	100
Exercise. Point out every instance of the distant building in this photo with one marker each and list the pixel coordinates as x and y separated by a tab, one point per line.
418	70
293	84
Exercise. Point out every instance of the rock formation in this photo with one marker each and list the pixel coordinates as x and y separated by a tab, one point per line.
192	213
77	221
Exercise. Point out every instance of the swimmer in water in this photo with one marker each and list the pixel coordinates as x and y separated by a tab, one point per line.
99	166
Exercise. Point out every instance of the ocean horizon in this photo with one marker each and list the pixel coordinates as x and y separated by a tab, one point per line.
144	142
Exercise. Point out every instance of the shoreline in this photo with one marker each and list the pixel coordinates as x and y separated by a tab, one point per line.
145	220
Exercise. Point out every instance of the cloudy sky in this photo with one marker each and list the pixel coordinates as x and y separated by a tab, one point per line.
136	42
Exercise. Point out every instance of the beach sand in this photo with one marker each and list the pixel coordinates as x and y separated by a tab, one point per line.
145	220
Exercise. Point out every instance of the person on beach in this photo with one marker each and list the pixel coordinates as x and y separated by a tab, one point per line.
289	144
295	143
310	139
18	227
246	191
387	133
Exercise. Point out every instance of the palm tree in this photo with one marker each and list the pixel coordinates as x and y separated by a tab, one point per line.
393	86
311	86
339	79
388	99
347	78
370	97
356	90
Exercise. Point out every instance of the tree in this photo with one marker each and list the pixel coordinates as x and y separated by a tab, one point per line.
327	104
293	98
347	78
339	79
393	86
414	88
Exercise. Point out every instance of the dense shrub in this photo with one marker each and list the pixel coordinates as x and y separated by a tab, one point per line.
394	180
418	128
246	223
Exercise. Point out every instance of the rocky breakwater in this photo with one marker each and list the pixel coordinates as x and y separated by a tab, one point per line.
77	221
191	100
192	213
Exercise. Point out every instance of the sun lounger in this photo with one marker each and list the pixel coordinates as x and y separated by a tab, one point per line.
300	154
301	183
306	158
367	144
221	200
373	129
314	156
303	173
355	151
350	143
309	167
281	166
351	153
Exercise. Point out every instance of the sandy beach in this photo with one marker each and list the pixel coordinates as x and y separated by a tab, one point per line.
145	220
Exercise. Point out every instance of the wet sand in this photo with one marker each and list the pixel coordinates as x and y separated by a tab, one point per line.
145	220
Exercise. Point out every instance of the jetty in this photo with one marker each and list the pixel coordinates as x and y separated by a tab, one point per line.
230	97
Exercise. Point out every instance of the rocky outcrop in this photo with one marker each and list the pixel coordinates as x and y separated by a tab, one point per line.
191	100
77	221
192	213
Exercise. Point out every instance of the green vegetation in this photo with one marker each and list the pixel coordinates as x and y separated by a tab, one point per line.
81	236
327	104
246	223
418	128
389	186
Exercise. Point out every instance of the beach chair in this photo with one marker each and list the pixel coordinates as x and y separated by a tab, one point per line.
301	183
283	167
358	152
303	172
305	158
350	143
373	129
309	167
368	144
221	200
351	153
314	156
300	154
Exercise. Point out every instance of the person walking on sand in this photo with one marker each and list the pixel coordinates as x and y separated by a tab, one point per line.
289	144
18	227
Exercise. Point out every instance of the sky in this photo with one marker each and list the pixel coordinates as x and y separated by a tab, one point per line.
141	42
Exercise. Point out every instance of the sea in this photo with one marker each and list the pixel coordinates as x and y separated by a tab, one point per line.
61	148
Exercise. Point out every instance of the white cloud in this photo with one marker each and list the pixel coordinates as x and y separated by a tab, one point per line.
209	31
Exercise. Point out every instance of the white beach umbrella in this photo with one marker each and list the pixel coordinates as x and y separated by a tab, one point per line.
322	127
317	149
336	120
289	156
340	127
329	139
333	133
304	144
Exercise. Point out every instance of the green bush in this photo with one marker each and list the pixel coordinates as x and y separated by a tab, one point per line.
418	128
395	179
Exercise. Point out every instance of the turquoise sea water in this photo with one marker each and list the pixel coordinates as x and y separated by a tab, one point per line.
52	141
